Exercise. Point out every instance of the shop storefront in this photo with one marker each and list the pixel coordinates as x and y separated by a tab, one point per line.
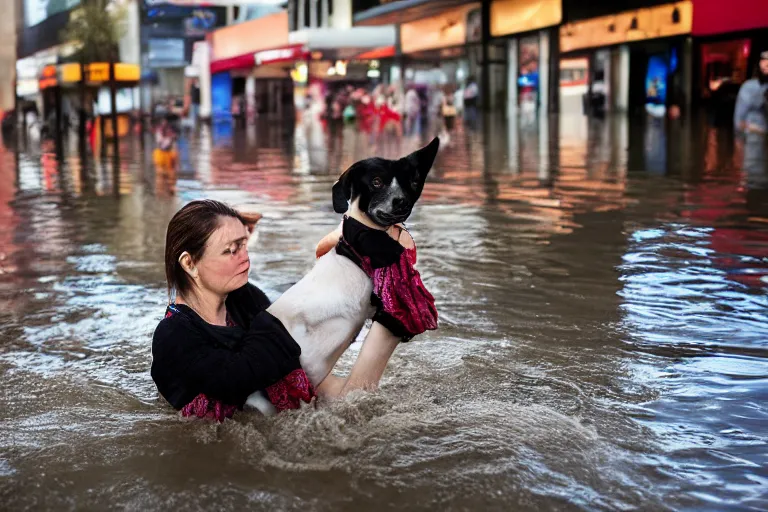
728	42
251	75
443	50
636	60
521	49
59	87
339	58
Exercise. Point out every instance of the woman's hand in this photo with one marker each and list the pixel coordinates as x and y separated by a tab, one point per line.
251	219
330	240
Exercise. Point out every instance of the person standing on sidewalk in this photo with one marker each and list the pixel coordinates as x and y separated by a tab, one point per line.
412	111
194	102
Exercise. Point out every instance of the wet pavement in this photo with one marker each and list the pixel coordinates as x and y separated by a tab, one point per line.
603	342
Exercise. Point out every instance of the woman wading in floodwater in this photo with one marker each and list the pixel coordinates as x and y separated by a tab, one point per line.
217	343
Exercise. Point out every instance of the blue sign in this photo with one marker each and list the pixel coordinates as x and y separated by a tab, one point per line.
656	80
221	95
528	80
200	22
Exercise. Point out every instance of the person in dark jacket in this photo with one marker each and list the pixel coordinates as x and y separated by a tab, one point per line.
217	343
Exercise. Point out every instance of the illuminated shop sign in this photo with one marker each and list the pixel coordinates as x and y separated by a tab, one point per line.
515	16
639	25
442	31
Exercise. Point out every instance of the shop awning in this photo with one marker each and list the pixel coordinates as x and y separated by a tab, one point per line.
244	61
331	44
638	25
347	43
249	60
382	52
278	55
710	17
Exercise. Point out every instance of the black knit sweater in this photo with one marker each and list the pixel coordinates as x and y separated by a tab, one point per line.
191	356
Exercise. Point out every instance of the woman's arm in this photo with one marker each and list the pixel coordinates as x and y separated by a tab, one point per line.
377	348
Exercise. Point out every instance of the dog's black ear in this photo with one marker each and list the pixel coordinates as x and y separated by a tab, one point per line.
341	193
424	158
342	190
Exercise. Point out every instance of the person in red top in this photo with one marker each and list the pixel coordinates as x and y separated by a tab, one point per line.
217	343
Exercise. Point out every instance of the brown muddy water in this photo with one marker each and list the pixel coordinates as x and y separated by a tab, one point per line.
603	342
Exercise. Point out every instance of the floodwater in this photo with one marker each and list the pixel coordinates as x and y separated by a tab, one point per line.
603	339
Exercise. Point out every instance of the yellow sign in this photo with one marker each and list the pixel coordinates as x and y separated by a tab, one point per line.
97	72
127	72
515	16
639	25
70	73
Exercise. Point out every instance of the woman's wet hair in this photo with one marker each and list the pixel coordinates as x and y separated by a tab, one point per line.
189	230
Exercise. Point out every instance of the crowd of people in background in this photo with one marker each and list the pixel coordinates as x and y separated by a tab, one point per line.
416	110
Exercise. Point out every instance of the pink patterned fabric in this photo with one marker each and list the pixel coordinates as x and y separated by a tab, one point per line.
293	389
203	407
403	294
288	393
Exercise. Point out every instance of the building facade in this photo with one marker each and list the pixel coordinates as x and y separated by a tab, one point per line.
8	57
168	34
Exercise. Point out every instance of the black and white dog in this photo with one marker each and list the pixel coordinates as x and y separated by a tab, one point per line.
327	308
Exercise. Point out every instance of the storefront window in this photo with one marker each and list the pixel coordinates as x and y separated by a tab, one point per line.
528	73
724	64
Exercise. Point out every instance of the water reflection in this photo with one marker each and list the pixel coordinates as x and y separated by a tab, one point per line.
602	290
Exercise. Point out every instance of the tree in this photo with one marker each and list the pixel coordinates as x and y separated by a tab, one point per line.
95	28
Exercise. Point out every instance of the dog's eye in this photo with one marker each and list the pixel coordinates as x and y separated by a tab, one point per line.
377	183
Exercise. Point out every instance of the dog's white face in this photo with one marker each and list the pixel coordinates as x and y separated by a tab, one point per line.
385	190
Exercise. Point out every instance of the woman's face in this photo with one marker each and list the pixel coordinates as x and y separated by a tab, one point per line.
764	66
224	266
